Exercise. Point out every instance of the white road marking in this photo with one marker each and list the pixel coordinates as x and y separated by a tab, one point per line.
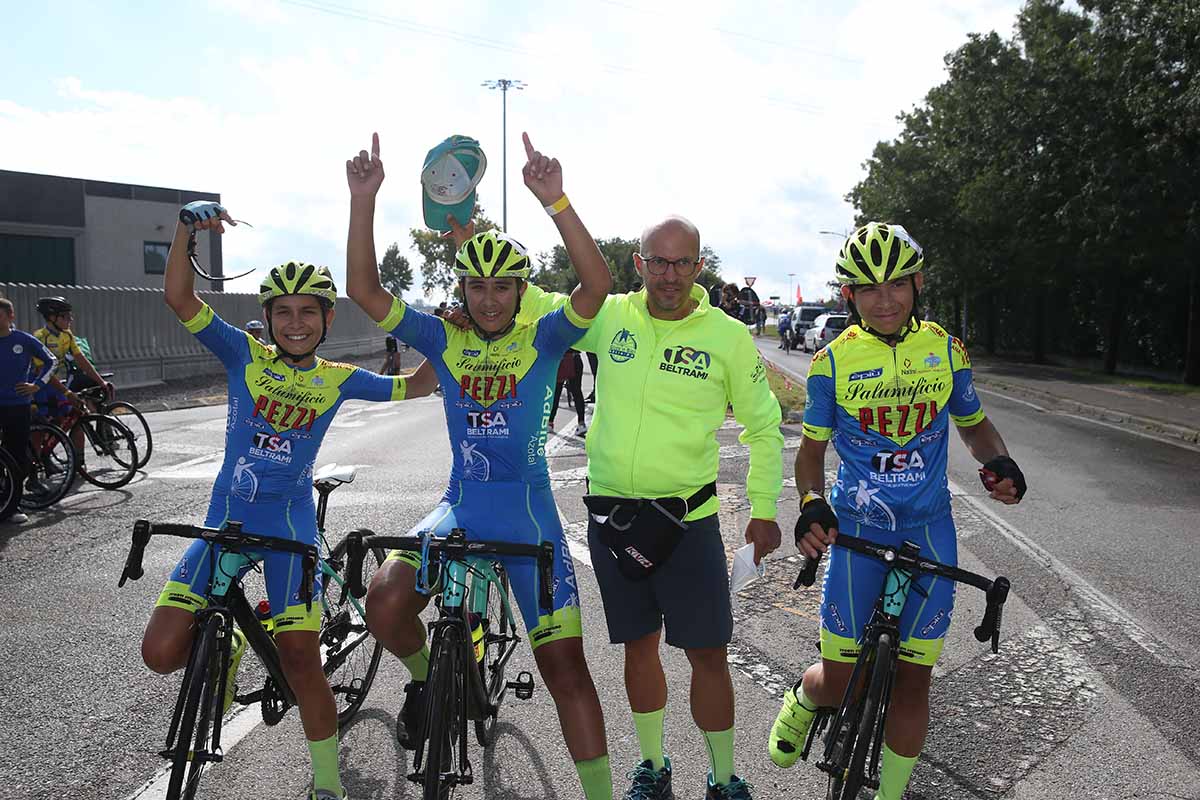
1100	603
235	728
981	390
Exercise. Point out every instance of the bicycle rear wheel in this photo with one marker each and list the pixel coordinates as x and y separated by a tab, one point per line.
351	654
871	709
52	464
112	457
137	425
443	716
192	738
496	633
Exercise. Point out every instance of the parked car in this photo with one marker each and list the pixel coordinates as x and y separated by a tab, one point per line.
803	318
824	330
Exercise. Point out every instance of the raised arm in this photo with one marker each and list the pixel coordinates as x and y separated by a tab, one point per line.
179	281
364	174
543	176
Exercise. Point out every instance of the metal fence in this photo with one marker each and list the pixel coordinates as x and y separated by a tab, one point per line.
133	333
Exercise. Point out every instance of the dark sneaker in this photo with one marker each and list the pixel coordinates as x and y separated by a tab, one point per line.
412	713
649	784
736	789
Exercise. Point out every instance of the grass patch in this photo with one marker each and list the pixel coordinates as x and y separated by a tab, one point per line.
788	391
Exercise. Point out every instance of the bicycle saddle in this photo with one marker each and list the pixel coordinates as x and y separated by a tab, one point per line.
331	476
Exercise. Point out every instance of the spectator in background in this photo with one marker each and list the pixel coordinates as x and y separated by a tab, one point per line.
593	361
17	352
760	320
255	328
391	360
570	374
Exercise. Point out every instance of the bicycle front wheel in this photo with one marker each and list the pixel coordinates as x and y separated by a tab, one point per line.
496	636
195	725
10	484
109	458
443	717
871	709
351	654
52	464
137	425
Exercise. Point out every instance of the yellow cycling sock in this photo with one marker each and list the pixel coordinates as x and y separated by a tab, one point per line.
417	664
325	765
720	754
650	736
894	773
595	776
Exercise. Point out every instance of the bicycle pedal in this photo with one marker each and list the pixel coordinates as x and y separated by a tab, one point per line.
522	686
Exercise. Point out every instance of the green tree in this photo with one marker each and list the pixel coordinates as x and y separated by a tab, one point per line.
394	271
437	254
555	273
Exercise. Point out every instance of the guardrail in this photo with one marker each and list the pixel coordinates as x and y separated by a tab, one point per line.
133	333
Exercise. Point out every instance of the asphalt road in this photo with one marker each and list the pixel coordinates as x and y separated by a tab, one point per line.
1091	695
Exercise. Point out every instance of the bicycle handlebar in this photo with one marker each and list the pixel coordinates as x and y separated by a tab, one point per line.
996	590
455	547
231	537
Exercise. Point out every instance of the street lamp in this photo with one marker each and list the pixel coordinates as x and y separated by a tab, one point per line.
790	295
841	235
504	84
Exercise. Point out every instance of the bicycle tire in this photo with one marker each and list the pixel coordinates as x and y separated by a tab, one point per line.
870	711
443	716
343	633
200	673
493	674
52	465
10	483
141	431
111	439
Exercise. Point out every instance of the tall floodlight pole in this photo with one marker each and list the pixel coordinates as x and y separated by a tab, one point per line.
504	84
790	295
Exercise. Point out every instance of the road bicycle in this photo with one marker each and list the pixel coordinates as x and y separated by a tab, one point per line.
854	732
108	457
53	464
127	413
350	654
466	680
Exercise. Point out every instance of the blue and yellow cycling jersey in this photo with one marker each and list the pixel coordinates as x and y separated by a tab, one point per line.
888	410
278	413
64	347
497	393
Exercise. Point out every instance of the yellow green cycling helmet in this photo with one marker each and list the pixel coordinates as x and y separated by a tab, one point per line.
877	253
296	277
492	254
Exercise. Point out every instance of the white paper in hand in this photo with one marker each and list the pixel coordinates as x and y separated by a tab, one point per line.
745	572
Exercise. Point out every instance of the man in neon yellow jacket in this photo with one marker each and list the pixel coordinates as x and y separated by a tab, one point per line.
671	366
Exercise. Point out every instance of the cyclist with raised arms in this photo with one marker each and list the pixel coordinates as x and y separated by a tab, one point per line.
282	398
885	391
497	380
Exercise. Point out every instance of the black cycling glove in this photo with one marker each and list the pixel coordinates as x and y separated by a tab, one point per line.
813	508
998	469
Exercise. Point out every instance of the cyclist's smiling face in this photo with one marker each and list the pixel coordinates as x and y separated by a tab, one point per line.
492	301
296	321
669	294
885	307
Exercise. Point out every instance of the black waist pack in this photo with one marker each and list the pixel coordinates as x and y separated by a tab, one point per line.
642	532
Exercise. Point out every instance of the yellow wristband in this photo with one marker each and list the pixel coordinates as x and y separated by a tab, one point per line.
559	205
809	497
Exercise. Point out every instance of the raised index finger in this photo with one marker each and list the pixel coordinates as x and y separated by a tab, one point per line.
374	145
528	144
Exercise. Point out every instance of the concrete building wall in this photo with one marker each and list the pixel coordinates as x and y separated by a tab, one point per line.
113	239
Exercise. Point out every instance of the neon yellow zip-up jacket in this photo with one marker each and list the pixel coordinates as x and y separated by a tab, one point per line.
662	392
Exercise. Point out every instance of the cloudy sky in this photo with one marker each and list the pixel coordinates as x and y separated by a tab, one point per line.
751	118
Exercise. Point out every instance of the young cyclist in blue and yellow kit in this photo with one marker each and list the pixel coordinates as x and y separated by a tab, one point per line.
497	382
282	399
884	391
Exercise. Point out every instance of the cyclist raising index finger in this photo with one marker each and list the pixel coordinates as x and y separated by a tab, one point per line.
889	386
497	380
282	398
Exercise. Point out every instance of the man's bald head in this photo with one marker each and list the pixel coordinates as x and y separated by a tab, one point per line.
678	231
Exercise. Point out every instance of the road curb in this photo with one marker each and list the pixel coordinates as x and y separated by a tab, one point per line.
1184	434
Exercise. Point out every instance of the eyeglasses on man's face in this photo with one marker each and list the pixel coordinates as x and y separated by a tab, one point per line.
657	265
